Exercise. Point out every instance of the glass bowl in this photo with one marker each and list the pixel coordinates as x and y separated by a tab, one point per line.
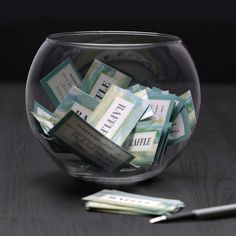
151	59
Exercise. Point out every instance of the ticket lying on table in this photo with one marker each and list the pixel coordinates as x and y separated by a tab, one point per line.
82	139
110	208
117	114
118	201
100	77
58	82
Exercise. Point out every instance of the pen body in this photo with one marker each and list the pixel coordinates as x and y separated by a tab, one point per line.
214	212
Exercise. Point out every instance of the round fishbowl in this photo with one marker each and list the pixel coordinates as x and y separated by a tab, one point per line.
113	107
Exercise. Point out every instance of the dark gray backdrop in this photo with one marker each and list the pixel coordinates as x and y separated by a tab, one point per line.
208	29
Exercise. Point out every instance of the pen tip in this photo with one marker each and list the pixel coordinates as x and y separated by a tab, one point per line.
157	219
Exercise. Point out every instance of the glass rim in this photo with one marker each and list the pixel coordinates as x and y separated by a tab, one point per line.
58	38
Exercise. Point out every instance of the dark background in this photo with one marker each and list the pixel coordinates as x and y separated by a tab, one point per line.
207	28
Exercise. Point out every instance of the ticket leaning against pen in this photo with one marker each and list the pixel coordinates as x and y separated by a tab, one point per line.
108	120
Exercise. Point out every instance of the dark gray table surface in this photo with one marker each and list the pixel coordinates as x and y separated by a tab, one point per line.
37	198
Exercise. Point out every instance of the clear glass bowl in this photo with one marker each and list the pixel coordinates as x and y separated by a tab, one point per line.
151	59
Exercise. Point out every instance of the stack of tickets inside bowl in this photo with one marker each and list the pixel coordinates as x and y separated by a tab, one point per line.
109	123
